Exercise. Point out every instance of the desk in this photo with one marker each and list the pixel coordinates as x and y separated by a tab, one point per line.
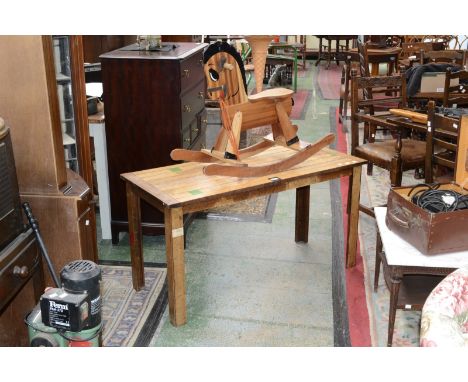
183	188
97	130
400	259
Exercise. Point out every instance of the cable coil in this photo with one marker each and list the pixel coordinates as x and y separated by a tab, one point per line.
432	199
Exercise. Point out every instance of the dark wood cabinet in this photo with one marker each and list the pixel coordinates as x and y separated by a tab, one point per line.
154	102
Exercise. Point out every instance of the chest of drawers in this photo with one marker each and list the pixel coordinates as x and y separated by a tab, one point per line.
154	103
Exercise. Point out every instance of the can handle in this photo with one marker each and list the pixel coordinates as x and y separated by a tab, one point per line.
397	220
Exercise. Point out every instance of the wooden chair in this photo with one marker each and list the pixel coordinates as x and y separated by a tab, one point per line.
301	52
395	155
455	94
441	143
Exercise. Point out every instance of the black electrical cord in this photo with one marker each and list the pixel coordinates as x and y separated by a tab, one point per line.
432	199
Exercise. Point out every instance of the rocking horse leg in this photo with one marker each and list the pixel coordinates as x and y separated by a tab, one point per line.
233	144
288	130
221	141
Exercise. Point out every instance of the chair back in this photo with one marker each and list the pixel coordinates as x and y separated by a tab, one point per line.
441	141
363	58
455	88
444	56
396	83
417	49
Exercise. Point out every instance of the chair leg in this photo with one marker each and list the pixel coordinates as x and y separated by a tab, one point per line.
346	91
370	167
378	261
365	137
396	174
342	95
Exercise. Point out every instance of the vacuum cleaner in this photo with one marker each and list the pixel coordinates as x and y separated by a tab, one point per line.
70	313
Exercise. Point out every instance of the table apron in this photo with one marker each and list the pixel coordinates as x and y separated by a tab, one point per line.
218	201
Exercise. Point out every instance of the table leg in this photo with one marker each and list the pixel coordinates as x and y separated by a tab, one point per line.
378	260
174	231
319	52
295	70
134	229
302	214
394	290
337	54
329	52
353	216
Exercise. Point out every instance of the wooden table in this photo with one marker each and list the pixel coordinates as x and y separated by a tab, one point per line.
399	260
183	188
329	55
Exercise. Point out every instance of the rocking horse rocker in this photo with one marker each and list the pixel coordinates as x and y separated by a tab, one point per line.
226	83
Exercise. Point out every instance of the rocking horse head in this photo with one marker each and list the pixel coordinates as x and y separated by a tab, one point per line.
225	74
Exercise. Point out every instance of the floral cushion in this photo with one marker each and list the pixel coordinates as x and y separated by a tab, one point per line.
444	320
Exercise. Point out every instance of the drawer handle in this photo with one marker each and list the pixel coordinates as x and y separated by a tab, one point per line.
201	95
21	272
186	73
205	121
187	108
187	140
195	131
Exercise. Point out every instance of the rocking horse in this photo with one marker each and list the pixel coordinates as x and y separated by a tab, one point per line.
225	76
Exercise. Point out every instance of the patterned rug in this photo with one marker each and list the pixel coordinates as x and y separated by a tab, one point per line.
301	100
374	191
329	81
131	318
259	209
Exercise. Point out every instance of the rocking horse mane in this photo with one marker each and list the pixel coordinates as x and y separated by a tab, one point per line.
218	47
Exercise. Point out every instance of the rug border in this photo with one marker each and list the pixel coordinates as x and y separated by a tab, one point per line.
341	336
150	326
360	326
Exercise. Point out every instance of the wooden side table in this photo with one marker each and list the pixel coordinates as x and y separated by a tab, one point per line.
409	274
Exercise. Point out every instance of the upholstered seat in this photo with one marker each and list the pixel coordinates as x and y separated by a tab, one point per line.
444	320
381	153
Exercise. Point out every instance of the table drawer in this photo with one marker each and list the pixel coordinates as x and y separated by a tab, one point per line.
18	262
191	71
192	103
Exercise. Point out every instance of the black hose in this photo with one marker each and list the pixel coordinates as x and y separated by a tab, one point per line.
35	227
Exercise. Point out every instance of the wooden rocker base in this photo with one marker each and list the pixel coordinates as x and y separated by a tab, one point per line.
253	171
